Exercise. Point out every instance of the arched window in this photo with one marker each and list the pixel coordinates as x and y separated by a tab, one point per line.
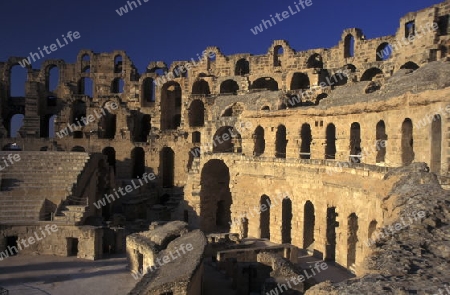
349	46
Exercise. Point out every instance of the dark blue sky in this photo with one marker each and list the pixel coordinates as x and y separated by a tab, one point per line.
179	30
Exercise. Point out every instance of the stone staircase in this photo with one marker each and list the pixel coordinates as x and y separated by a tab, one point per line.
35	186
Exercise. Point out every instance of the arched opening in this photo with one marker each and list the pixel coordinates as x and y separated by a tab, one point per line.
148	90
330	250
167	167
280	142
372	229
78	113
381	138
259	141
264	217
300	81
278	52
309	222
355	143
16	123
18	80
117	85
286	221
138	162
227	140
370	74
85	87
197	114
142	127
315	62
410	66
201	87
330	146
215	197
77	134
407	142
170	106
78	149
48	126
244	228
110	153
352	240
242	67
306	136
436	144
118	64
52	79
384	51
107	125
86	69
86	58
338	79
320	97
193	153
349	46
196	137
265	83
229	87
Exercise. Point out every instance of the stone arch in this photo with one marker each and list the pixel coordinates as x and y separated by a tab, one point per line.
110	153
196	114
330	143
170	105
15	123
381	138
52	78
229	87
78	149
286	221
148	90
300	81
226	140
355	143
118	63
266	83
137	162
352	240
86	86
384	51
314	62
309	221
306	137
436	144
259	141
330	249
349	46
281	142
409	66
242	67
201	87
407	142
370	74
372	228
215	197
264	217
167	167
86	57
278	52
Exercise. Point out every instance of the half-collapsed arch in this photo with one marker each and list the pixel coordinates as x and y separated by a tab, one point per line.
215	197
370	74
300	81
259	141
242	67
306	136
229	87
278	52
314	61
118	64
170	106
227	140
201	87
52	78
267	83
117	85
281	142
197	114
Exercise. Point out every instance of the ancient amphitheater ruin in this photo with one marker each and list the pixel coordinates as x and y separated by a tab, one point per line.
249	159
